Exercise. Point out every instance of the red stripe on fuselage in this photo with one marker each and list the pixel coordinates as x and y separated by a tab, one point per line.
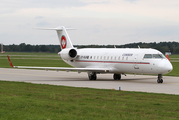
113	62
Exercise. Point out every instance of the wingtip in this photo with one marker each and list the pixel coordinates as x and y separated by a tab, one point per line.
10	61
168	57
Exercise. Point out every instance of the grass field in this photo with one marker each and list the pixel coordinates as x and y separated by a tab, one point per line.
25	101
53	60
32	59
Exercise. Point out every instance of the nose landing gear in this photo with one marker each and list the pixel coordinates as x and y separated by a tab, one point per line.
160	80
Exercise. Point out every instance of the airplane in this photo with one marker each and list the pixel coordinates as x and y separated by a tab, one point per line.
116	61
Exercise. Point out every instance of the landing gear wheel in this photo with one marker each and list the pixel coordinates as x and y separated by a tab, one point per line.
117	76
92	76
160	80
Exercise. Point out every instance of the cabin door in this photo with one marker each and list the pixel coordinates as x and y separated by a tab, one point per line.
136	61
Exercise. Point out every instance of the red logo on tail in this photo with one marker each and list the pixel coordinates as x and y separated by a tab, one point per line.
63	42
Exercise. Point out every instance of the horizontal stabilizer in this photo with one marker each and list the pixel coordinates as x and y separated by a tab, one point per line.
63	36
60	28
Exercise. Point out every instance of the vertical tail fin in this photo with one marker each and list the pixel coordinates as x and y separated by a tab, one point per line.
63	36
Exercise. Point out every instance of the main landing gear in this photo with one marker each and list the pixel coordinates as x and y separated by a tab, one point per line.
92	75
117	76
160	80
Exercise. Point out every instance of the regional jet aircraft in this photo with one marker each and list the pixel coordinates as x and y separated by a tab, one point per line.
116	61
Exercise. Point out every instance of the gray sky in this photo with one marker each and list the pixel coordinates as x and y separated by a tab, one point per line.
97	21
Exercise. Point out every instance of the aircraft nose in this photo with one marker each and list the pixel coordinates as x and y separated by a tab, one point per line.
169	67
165	66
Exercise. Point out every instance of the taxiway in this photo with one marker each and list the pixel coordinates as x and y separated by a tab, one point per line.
142	83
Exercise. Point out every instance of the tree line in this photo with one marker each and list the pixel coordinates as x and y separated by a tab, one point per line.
172	47
31	48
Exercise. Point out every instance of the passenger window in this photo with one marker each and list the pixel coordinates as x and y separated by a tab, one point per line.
118	58
148	56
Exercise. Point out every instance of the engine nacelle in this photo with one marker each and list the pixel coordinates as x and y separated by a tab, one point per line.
68	54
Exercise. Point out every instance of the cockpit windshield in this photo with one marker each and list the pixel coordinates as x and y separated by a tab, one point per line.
154	56
148	56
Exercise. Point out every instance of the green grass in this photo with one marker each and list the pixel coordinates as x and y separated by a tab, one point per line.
25	101
174	56
175	71
46	102
32	59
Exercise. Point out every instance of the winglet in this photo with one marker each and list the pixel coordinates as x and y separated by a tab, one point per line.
168	57
10	61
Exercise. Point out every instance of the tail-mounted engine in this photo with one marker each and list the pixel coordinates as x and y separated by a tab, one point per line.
68	54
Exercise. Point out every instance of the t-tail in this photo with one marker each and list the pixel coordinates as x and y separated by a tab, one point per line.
68	52
63	36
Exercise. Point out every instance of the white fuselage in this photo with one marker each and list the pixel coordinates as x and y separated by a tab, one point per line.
122	60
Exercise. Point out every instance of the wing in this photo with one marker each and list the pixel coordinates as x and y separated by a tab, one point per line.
61	68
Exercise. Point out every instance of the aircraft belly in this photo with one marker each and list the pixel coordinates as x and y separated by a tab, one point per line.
125	68
84	64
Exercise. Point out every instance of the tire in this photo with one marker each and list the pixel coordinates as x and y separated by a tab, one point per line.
94	77
161	81
115	76
119	76
158	81
90	77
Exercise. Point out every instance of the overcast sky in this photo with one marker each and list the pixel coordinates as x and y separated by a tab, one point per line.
97	21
